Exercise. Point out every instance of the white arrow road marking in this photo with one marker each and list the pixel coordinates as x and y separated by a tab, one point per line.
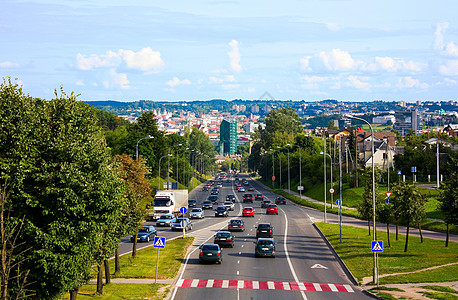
318	266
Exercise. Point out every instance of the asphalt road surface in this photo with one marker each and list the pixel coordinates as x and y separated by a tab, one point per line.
304	266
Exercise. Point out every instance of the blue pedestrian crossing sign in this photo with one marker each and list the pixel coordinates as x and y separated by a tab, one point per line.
377	246
159	242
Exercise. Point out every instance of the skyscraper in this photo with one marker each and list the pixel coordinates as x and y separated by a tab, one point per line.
228	136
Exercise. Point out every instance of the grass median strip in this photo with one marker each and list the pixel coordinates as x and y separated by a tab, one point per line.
123	291
355	250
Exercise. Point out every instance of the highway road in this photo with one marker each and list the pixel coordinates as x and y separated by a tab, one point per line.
304	267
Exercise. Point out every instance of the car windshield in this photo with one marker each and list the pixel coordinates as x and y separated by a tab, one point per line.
248	208
223	234
210	247
206	202
162	202
179	220
196	210
272	205
221	208
236	222
192	201
264	226
265	243
143	230
166	217
227	203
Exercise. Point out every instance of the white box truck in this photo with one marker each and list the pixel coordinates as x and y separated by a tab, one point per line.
169	202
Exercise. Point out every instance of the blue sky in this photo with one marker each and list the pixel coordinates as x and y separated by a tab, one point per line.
208	49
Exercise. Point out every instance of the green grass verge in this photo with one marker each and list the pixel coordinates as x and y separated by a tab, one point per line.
385	288
440	296
385	296
118	291
356	253
444	274
440	288
144	265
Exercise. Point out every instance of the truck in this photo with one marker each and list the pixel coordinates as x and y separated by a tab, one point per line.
169	202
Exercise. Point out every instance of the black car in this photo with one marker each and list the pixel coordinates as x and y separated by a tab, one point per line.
265	247
248	198
210	253
221	211
192	203
264	230
259	197
224	238
265	203
214	192
236	225
207	204
145	234
213	198
205	188
280	200
230	197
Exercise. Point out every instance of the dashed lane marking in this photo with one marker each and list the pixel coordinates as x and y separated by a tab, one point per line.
265	285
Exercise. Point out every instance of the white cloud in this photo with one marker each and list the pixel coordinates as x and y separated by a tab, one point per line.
146	60
117	80
234	56
438	36
357	83
225	78
231	86
409	82
8	64
395	64
450	68
176	81
79	82
333	26
451	50
305	63
251	90
337	60
312	82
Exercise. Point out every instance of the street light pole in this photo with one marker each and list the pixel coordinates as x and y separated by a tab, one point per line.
136	148
159	180
279	158
289	179
375	271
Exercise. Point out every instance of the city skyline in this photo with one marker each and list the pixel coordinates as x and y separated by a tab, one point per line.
299	50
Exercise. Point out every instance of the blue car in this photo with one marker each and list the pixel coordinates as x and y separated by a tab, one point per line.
145	234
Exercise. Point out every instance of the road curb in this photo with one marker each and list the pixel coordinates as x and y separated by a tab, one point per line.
341	262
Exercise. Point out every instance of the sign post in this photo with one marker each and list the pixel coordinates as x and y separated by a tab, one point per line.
183	210
159	242
377	247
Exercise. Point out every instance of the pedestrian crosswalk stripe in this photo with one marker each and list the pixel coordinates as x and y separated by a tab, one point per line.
265	285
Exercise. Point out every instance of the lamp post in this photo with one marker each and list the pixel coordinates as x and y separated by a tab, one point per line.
375	271
159	184
279	158
136	148
273	168
300	169
289	178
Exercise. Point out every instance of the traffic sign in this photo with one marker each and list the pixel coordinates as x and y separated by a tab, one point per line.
388	200
331	191
338	201
377	246
273	178
388	194
183	210
413	169
300	187
399	172
159	242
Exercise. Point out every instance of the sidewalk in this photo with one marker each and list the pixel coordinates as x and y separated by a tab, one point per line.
355	222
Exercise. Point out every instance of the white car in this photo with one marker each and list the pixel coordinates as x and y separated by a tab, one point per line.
197	213
229	204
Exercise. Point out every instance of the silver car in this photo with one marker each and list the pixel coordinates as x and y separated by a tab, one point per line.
197	213
229	204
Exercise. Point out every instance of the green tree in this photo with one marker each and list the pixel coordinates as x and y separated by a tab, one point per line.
449	196
365	206
411	205
63	181
385	215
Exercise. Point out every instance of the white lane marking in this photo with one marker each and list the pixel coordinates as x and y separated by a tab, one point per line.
210	283
317	287
255	285
348	287
238	261
333	287
240	284
242	246
286	286
237	272
194	283
302	286
287	254
270	285
225	284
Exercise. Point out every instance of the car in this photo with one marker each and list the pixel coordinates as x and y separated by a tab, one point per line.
182	223
250	188
145	234
165	220
245	182
265	203
265	247
248	198
280	200
192	203
197	213
213	198
248	212
221	211
236	225
228	181
241	189
224	238
219	185
229	204
210	253
214	192
230	197
205	189
264	230
272	209
207	204
259	197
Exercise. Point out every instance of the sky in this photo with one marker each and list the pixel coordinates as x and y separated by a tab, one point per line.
349	50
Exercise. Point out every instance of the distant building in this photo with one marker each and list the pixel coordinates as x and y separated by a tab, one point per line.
228	136
255	109
383	119
342	123
249	127
407	120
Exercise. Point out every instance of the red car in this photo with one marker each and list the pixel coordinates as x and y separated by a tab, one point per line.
272	209
248	212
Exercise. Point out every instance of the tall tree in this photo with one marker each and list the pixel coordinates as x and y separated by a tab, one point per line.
411	205
449	196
